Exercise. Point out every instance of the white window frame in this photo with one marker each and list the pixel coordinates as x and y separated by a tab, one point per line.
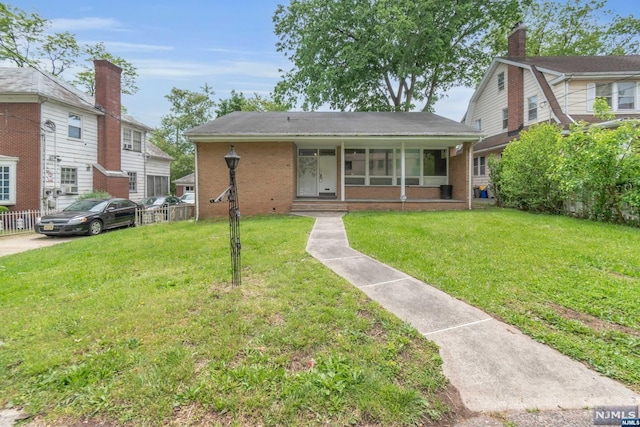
505	118
501	81
133	182
132	139
614	99
478	124
532	108
8	166
479	166
69	180
73	118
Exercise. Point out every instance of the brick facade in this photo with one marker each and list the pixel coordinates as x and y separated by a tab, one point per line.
265	178
267	181
20	136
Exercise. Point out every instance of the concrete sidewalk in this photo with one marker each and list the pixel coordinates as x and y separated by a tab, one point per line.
10	245
493	365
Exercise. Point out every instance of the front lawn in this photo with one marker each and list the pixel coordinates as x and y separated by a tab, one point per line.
572	284
141	326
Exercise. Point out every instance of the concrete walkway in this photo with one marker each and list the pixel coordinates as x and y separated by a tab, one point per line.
493	365
10	245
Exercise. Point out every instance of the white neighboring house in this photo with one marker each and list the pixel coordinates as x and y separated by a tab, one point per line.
57	142
518	91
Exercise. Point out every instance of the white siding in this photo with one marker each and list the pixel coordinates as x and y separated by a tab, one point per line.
490	104
60	151
532	88
577	99
134	161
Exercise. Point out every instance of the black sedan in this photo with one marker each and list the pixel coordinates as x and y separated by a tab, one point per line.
89	216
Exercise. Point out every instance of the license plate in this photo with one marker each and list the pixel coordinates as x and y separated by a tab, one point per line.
48	227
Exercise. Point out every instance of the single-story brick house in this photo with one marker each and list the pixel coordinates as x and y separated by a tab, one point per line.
351	161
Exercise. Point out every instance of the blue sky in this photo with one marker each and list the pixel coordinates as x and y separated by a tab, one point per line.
185	44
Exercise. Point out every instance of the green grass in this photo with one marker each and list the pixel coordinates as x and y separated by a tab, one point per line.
141	326
572	284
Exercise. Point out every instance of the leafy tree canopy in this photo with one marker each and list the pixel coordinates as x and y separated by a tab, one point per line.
24	42
238	102
572	27
188	109
384	55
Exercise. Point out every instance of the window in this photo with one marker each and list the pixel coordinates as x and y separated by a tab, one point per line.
532	102
355	163
380	166
133	181
505	118
411	164
478	124
604	90
626	95
157	185
69	180
479	168
501	81
131	140
435	162
8	180
75	126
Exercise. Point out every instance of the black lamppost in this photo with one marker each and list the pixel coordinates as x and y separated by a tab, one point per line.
232	160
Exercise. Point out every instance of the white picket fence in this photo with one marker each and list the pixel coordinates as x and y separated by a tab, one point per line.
18	222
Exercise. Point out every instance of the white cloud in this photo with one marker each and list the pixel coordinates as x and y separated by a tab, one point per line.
131	47
83	24
160	68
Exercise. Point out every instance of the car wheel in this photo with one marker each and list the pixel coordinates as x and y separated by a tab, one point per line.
95	227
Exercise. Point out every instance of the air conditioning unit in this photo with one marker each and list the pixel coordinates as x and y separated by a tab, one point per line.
69	189
127	146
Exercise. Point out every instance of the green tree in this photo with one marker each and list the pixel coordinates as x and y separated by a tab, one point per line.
383	55
238	102
525	177
87	78
24	42
188	109
600	167
572	27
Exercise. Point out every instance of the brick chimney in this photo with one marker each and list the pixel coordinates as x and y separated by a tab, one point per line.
517	42
107	174
108	90
515	79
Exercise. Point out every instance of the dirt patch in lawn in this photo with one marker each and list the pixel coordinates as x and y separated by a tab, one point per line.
592	321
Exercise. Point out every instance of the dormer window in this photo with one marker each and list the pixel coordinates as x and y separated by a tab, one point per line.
501	81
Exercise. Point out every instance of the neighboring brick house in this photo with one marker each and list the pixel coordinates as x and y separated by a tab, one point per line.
57	142
345	161
518	91
185	184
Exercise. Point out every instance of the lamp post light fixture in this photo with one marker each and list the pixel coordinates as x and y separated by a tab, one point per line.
232	160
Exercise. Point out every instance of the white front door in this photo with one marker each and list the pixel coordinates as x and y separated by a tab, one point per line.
327	172
317	172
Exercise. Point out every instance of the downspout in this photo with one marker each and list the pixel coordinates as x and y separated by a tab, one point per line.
470	172
403	194
342	186
197	190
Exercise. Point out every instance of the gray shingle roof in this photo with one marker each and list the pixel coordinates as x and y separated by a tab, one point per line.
20	81
338	124
156	152
584	64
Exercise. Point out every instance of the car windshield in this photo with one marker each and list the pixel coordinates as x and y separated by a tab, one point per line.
87	205
187	196
151	201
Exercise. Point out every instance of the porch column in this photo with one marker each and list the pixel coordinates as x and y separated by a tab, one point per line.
342	171
403	195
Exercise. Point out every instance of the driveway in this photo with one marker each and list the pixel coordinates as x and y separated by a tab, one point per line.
24	242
